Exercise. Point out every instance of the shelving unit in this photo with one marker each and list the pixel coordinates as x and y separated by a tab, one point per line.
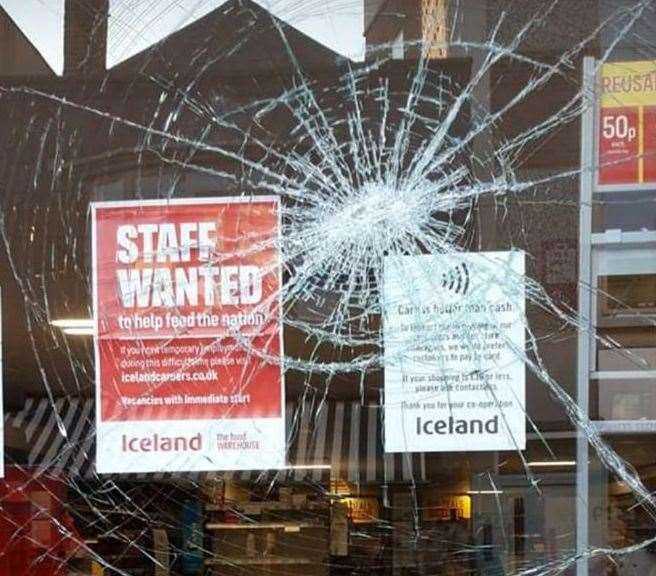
259	562
286	527
288	536
621	247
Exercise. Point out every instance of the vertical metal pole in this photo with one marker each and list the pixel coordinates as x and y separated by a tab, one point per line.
586	182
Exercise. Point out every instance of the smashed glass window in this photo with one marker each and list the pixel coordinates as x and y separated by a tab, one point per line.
328	287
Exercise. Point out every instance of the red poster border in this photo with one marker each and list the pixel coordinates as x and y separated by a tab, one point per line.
215	200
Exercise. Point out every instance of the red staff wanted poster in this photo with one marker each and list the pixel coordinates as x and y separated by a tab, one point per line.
188	340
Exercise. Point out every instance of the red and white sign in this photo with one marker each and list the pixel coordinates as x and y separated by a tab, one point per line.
188	335
627	124
619	146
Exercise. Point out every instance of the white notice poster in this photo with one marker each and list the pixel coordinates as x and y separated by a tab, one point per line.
454	331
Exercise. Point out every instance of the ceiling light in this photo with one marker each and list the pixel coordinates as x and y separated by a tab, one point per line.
308	467
484	492
552	463
78	331
65	323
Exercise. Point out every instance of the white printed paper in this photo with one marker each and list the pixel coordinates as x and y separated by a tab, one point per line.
454	330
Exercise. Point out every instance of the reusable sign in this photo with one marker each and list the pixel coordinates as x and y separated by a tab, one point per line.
454	330
627	123
188	335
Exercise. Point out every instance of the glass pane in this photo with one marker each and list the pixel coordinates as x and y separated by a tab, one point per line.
327	288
